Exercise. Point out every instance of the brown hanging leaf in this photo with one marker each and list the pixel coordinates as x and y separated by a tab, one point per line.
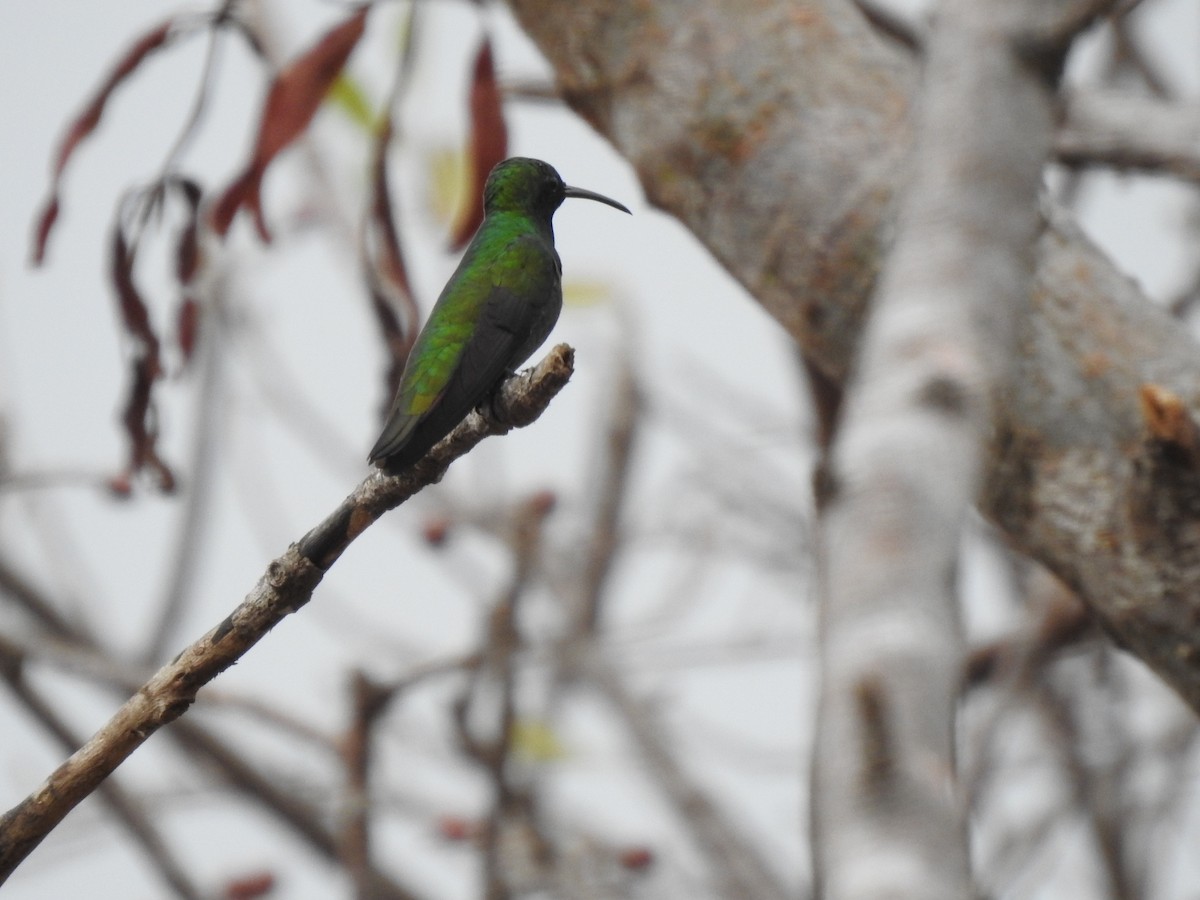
383	262
187	263
187	251
85	123
187	326
135	317
251	886
489	142
382	219
137	416
291	103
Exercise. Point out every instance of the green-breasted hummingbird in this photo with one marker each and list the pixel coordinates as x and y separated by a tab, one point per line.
497	308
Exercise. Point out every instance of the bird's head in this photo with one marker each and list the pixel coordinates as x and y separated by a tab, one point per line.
531	186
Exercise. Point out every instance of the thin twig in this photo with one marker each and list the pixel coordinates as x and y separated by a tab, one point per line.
303	819
612	489
355	831
737	866
1127	131
487	732
286	586
124	806
20	590
1094	791
187	544
200	103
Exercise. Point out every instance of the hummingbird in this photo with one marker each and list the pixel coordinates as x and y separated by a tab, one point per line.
497	308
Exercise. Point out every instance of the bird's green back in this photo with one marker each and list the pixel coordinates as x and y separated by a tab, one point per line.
509	255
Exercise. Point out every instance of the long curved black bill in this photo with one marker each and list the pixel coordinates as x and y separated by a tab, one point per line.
585	194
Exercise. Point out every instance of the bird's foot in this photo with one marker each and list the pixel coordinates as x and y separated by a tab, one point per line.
488	406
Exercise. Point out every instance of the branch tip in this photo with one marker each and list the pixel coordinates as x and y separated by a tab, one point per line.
1169	422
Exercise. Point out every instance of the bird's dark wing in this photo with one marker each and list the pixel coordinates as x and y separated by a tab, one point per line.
459	358
486	358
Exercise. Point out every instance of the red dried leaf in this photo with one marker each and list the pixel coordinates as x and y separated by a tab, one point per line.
242	191
45	223
457	828
187	326
396	338
136	415
249	887
386	272
120	486
383	220
187	263
187	251
636	859
292	102
436	531
489	142
166	478
134	314
137	418
85	123
543	502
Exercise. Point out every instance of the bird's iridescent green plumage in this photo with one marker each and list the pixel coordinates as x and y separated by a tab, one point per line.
497	308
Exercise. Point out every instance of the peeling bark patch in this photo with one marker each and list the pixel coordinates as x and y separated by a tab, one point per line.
1170	422
826	485
1095	364
945	395
360	520
840	267
223	630
1009	492
877	754
176	708
826	395
1164	493
814	316
323	544
737	139
1045	58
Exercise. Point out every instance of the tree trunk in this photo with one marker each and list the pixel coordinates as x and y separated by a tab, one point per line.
779	133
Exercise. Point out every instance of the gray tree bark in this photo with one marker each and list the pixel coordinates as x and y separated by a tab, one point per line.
906	462
779	133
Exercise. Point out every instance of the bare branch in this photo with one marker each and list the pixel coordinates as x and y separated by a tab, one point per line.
1130	131
76	651
486	719
301	817
892	24
610	500
738	868
1062	622
202	467
124	806
286	586
1094	790
369	701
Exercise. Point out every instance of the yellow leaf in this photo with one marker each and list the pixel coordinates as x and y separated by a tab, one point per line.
348	95
448	179
582	293
535	741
